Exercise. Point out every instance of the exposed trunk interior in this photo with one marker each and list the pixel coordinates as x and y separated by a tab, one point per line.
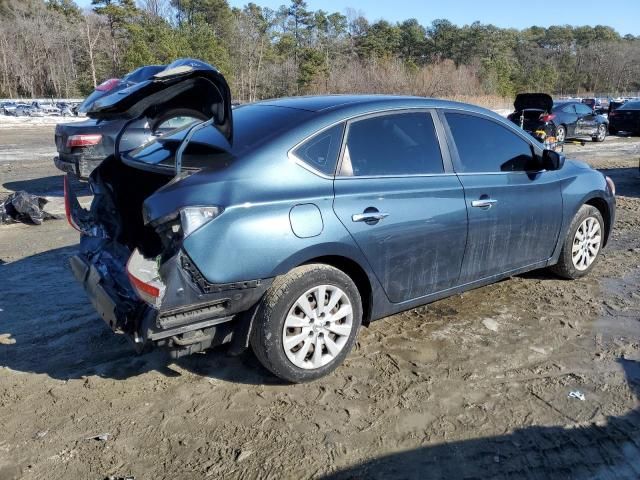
126	189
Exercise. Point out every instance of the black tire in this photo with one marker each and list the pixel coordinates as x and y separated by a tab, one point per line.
267	335
561	132
601	133
565	267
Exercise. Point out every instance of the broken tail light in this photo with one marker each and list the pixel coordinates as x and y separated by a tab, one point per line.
547	117
87	140
192	218
145	278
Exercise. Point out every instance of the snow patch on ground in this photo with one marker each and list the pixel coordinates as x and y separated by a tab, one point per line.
13	122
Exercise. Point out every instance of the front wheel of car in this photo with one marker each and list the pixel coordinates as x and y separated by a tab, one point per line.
601	133
307	323
582	245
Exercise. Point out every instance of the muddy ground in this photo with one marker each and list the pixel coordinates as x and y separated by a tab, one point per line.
473	386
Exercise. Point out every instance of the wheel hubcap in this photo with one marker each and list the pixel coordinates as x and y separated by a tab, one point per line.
586	243
317	327
560	134
601	132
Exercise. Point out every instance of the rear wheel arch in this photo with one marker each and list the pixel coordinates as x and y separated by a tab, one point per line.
357	274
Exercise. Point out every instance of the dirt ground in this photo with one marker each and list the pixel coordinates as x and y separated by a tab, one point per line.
473	386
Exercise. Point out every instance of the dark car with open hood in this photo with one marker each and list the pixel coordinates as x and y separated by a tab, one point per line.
547	120
82	146
286	225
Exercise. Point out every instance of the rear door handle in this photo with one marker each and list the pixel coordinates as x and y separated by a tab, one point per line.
369	217
484	203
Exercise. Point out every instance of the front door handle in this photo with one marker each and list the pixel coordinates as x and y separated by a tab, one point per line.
484	203
369	217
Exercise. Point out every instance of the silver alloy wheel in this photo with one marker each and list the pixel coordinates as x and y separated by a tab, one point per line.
586	243
602	133
561	133
317	327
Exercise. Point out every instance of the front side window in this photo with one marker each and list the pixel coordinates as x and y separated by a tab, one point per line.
394	144
486	146
321	151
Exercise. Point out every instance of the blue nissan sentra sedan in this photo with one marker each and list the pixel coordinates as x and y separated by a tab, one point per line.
287	224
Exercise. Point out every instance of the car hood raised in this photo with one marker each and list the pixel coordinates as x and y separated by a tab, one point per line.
541	101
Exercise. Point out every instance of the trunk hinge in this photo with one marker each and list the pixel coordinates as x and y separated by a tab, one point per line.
183	145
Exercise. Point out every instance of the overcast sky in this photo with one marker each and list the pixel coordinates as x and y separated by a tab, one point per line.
623	15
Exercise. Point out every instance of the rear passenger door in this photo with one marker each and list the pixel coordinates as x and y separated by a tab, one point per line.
569	119
514	210
397	195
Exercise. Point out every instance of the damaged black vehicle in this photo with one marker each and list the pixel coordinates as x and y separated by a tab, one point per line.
550	121
82	146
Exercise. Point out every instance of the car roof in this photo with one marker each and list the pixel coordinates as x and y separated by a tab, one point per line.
325	103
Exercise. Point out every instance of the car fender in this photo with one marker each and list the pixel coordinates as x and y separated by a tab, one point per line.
581	179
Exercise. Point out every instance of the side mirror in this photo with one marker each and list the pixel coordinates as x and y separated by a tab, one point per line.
552	160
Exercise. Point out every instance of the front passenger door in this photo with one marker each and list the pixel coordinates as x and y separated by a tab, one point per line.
514	210
587	124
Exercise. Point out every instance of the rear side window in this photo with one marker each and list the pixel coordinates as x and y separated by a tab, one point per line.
583	109
321	151
396	144
486	146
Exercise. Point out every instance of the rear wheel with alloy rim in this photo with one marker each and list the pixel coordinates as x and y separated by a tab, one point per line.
561	133
582	245
307	322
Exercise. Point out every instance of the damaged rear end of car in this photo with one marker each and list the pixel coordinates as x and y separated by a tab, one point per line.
133	268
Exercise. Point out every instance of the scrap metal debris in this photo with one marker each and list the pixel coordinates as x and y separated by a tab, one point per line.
24	207
577	394
103	437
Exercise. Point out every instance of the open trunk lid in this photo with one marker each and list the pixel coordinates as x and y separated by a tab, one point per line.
184	84
539	101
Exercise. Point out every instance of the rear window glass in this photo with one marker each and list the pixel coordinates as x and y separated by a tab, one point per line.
321	151
253	125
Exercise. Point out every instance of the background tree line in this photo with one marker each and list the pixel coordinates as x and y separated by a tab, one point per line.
51	48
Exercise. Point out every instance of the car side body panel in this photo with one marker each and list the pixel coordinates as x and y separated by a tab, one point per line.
253	238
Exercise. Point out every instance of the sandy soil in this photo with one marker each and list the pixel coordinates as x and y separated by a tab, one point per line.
473	386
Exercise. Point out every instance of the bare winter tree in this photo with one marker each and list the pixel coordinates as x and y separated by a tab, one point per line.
93	27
